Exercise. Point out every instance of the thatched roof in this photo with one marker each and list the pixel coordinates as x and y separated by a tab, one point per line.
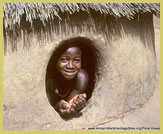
13	12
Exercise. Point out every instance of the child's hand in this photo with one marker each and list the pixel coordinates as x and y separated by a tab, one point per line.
78	102
65	109
63	104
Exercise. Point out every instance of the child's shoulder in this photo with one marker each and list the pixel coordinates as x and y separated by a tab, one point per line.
82	74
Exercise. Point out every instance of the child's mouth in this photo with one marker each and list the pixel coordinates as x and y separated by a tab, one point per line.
70	73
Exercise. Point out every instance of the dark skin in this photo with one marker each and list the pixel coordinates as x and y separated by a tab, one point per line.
69	66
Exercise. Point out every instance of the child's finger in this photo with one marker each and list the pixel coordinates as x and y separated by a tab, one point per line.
72	110
65	111
63	104
73	99
77	105
73	105
60	105
83	100
82	103
84	95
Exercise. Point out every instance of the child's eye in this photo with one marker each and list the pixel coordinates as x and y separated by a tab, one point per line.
64	60
77	60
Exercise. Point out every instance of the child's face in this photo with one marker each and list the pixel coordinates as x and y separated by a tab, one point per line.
69	63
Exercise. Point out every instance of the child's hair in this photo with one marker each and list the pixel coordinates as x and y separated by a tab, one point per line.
88	61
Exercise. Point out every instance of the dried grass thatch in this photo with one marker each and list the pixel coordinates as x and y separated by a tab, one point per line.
13	12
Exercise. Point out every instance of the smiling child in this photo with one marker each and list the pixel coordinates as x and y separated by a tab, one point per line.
67	90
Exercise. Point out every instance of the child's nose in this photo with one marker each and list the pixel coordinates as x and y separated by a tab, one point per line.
70	64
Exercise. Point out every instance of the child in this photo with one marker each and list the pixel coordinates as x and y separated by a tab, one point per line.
66	90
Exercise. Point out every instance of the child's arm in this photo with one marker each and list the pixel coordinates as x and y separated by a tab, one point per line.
80	84
78	96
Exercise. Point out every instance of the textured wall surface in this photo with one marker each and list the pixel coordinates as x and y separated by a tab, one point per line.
127	77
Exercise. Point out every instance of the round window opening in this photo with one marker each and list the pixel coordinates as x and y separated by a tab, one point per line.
72	73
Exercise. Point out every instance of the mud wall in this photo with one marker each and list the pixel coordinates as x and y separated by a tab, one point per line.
127	71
